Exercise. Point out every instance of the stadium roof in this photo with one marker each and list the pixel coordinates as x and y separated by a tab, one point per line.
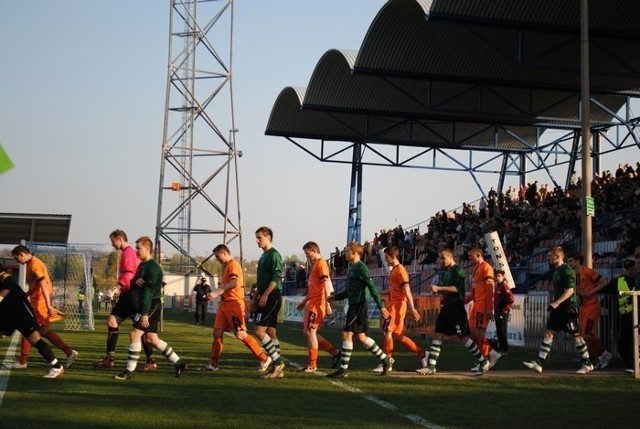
48	228
469	74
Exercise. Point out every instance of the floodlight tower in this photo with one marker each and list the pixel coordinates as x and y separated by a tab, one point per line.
199	196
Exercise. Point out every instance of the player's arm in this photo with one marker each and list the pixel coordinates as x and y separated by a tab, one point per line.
412	308
41	283
223	287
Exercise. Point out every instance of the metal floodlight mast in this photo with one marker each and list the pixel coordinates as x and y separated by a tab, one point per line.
199	196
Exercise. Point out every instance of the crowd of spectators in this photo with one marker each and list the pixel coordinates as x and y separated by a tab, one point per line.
523	218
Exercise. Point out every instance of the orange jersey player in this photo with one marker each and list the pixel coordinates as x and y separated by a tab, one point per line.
399	298
40	295
482	290
231	311
316	305
588	283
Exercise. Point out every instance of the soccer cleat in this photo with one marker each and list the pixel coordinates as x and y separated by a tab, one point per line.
335	360
209	367
105	363
341	373
475	368
494	357
484	366
16	365
264	366
387	365
604	360
275	371
534	365
180	369
585	368
71	359
377	369
425	360
309	369
426	371
151	365
124	375
54	372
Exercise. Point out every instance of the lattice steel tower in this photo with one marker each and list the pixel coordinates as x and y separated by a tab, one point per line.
199	196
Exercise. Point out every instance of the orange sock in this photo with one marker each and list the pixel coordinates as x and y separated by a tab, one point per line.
410	345
485	347
313	358
216	350
24	351
325	345
57	341
387	345
255	348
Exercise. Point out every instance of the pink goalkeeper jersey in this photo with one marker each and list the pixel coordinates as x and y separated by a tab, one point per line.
128	266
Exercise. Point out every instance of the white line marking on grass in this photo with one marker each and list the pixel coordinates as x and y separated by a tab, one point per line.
416	420
9	357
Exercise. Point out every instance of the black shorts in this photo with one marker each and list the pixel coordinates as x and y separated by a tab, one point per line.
564	318
154	318
20	317
268	315
357	320
126	305
453	321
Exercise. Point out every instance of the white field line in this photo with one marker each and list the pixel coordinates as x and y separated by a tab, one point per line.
9	358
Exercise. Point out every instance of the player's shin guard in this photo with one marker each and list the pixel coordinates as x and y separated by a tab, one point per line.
582	348
148	348
270	348
371	345
112	341
167	352
434	352
347	349
45	352
409	344
25	347
133	356
545	349
216	350
325	345
57	341
473	349
253	345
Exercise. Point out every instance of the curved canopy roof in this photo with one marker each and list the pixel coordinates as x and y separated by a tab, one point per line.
481	74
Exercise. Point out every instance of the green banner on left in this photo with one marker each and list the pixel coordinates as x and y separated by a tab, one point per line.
5	161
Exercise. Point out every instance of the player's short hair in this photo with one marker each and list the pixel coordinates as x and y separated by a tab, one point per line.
221	248
577	256
118	233
499	271
447	251
557	251
356	247
265	230
146	242
311	245
477	250
392	251
20	249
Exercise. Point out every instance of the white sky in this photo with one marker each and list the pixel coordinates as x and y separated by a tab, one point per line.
81	115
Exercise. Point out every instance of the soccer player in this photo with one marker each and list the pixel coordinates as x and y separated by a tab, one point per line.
124	307
589	283
317	306
16	314
40	294
400	298
482	290
147	283
267	301
231	311
358	282
563	314
452	319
